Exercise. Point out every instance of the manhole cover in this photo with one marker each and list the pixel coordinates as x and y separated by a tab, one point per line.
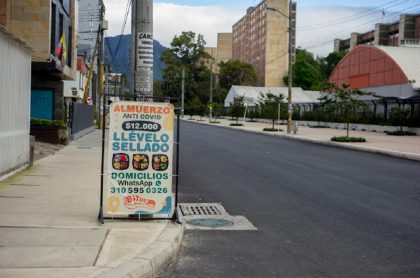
211	223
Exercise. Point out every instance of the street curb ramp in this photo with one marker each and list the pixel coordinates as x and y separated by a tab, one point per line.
148	263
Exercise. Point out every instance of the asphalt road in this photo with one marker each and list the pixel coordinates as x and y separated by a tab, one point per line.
320	211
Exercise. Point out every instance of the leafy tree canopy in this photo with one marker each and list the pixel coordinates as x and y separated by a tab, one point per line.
399	116
269	103
185	55
235	72
186	49
329	63
311	73
345	101
237	107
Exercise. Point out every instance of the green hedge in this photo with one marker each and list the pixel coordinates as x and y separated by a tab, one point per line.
47	123
345	139
400	133
236	125
272	129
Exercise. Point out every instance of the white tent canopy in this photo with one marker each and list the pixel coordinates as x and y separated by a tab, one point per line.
251	94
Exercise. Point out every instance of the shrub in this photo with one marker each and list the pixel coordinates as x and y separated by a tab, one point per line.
42	123
345	139
237	108
272	129
400	133
214	122
236	125
399	117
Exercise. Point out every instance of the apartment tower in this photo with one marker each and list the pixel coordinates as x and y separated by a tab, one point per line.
261	39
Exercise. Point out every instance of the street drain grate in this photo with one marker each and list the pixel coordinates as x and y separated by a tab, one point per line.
201	209
211	216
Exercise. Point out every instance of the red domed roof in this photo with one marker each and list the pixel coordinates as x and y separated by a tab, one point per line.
366	67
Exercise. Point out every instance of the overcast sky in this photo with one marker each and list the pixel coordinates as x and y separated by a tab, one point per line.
318	21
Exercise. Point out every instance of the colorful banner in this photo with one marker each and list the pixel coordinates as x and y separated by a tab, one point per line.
140	160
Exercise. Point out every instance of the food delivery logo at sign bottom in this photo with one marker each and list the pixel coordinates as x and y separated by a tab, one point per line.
135	202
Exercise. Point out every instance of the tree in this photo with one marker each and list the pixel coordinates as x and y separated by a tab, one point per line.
235	72
186	50
184	55
253	112
306	71
157	88
270	105
346	102
329	63
193	107
237	108
311	73
399	117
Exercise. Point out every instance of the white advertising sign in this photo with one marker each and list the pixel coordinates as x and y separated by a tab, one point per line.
144	50
144	79
140	160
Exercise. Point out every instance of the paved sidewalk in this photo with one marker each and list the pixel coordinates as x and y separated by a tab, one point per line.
398	146
48	225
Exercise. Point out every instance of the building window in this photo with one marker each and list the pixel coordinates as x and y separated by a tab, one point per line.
69	46
61	25
53	27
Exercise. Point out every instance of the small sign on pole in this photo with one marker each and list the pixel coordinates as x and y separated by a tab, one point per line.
144	63
140	160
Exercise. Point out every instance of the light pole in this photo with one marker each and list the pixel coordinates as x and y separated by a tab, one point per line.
183	93
290	66
211	92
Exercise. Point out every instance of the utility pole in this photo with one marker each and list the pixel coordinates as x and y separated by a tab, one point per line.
290	69
183	93
103	26
122	87
142	48
211	92
291	29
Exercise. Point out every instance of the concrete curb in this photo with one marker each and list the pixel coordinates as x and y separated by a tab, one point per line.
402	155
14	172
150	262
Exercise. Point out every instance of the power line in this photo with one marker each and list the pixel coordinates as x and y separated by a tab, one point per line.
350	18
321	44
344	33
122	32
